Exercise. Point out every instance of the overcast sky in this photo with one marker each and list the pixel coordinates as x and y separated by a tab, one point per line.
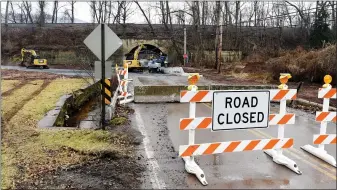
83	13
82	10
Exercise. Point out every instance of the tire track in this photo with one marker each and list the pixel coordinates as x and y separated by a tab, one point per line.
9	92
8	116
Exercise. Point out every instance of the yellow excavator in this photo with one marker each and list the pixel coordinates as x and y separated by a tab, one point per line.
135	64
30	59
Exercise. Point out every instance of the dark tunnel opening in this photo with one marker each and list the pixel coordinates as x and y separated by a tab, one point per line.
147	52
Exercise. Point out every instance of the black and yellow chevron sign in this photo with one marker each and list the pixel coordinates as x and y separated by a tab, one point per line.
107	91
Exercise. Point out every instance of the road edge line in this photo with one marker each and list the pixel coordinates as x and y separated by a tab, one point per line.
153	165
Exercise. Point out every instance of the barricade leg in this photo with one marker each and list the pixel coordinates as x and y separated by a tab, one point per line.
190	165
277	155
320	152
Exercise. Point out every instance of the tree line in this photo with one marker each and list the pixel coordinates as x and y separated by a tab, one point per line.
316	20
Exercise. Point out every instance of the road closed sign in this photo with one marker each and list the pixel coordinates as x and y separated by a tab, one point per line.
240	110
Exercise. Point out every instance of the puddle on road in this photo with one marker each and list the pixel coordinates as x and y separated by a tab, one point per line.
254	183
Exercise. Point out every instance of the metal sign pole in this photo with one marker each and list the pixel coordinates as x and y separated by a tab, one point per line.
102	50
103	73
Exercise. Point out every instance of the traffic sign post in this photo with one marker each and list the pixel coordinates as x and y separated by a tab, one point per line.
98	69
240	110
103	73
103	42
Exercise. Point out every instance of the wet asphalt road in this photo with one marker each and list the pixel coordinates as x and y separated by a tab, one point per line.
159	123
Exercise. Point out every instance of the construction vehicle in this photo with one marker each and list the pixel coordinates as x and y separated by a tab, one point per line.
30	59
157	65
135	64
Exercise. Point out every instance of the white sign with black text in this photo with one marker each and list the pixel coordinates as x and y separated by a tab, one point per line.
240	110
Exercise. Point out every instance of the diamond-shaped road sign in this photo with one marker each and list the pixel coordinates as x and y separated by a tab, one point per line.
112	42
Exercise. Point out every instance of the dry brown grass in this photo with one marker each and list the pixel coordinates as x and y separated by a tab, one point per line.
8	85
305	65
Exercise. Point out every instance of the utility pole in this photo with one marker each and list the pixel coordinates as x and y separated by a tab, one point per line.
217	34
220	43
184	45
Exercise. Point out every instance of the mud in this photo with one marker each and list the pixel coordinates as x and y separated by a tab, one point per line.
27	75
107	172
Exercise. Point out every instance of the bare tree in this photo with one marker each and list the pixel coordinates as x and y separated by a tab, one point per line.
72	18
204	13
110	9
23	16
42	14
101	11
166	18
300	11
217	17
93	11
126	11
118	14
147	19
237	12
6	14
55	10
333	14
13	13
69	14
28	8
228	13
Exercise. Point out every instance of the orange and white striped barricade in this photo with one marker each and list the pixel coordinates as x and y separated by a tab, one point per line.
323	117
274	146
283	94
125	94
123	84
190	165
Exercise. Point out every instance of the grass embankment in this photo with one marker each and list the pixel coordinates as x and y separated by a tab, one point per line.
28	151
8	85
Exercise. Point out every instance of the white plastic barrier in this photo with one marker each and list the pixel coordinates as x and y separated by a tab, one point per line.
323	117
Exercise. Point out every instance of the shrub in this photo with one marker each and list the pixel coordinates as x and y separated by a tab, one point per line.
305	65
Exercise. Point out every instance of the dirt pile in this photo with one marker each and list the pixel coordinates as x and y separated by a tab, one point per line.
305	65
